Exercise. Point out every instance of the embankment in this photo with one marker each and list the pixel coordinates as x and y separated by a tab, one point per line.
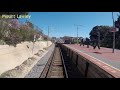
11	56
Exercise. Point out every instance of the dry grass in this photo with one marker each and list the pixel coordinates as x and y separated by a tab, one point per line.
13	73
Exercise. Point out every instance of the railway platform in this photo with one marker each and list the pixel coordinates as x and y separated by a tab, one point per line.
103	58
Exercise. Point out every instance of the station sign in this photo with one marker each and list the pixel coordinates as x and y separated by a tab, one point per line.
114	29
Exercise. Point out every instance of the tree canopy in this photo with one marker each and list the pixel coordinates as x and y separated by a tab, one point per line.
106	37
13	32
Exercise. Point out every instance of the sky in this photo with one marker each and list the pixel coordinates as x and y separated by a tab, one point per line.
64	23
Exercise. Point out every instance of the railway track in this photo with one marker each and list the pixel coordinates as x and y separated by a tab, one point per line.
60	66
55	67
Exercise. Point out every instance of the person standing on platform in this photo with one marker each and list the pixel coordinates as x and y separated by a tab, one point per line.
82	42
96	43
87	42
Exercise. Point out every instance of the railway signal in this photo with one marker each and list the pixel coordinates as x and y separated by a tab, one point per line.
117	23
116	26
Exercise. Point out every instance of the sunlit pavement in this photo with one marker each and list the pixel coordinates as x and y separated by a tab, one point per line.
104	54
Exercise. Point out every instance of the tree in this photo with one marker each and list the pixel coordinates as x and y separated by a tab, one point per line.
12	32
30	24
105	35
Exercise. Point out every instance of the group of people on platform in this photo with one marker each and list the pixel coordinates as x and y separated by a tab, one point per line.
95	42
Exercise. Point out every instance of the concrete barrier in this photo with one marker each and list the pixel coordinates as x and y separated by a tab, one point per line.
87	68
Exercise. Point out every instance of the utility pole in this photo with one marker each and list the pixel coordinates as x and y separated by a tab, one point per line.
48	36
77	31
113	33
77	34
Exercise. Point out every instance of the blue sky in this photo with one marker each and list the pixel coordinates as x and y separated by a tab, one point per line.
62	23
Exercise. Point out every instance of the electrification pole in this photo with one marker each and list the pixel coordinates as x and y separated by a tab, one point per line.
77	31
113	33
77	34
